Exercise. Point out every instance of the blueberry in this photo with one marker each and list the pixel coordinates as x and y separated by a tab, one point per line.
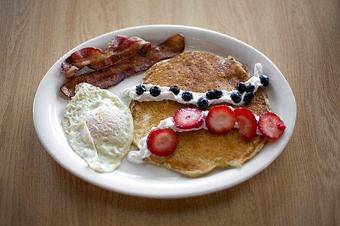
264	80
174	89
214	94
140	89
236	96
241	87
187	96
203	103
250	88
248	97
155	91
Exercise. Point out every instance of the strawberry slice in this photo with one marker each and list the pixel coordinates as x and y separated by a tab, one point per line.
271	125
246	122
188	118
220	119
162	142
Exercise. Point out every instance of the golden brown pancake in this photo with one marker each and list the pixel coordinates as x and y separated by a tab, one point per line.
198	152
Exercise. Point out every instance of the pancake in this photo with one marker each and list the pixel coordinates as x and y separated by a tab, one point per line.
198	152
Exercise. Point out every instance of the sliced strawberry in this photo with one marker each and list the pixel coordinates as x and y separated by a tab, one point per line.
246	122
271	125
188	118
162	142
220	119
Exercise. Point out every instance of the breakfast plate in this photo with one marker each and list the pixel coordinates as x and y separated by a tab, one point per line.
148	180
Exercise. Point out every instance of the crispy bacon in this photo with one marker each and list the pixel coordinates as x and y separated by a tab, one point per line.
120	47
123	47
127	66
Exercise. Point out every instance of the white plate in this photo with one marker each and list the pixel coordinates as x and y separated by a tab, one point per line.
147	180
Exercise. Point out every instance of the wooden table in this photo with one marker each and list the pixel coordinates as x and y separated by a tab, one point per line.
302	187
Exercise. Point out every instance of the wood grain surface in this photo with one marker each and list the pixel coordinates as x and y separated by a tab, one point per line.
302	187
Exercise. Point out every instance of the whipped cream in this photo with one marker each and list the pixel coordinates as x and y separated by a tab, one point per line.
166	94
143	152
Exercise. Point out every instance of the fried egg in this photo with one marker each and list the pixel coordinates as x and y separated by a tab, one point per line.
98	127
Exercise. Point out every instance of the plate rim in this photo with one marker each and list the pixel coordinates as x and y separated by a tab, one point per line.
163	194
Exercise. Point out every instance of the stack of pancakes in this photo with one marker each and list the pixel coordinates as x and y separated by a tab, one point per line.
198	152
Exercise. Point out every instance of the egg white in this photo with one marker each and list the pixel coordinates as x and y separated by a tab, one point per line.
98	127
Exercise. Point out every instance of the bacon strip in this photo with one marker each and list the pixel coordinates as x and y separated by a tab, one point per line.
120	47
123	47
126	66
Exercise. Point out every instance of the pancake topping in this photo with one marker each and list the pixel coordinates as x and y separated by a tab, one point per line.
243	93
219	119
